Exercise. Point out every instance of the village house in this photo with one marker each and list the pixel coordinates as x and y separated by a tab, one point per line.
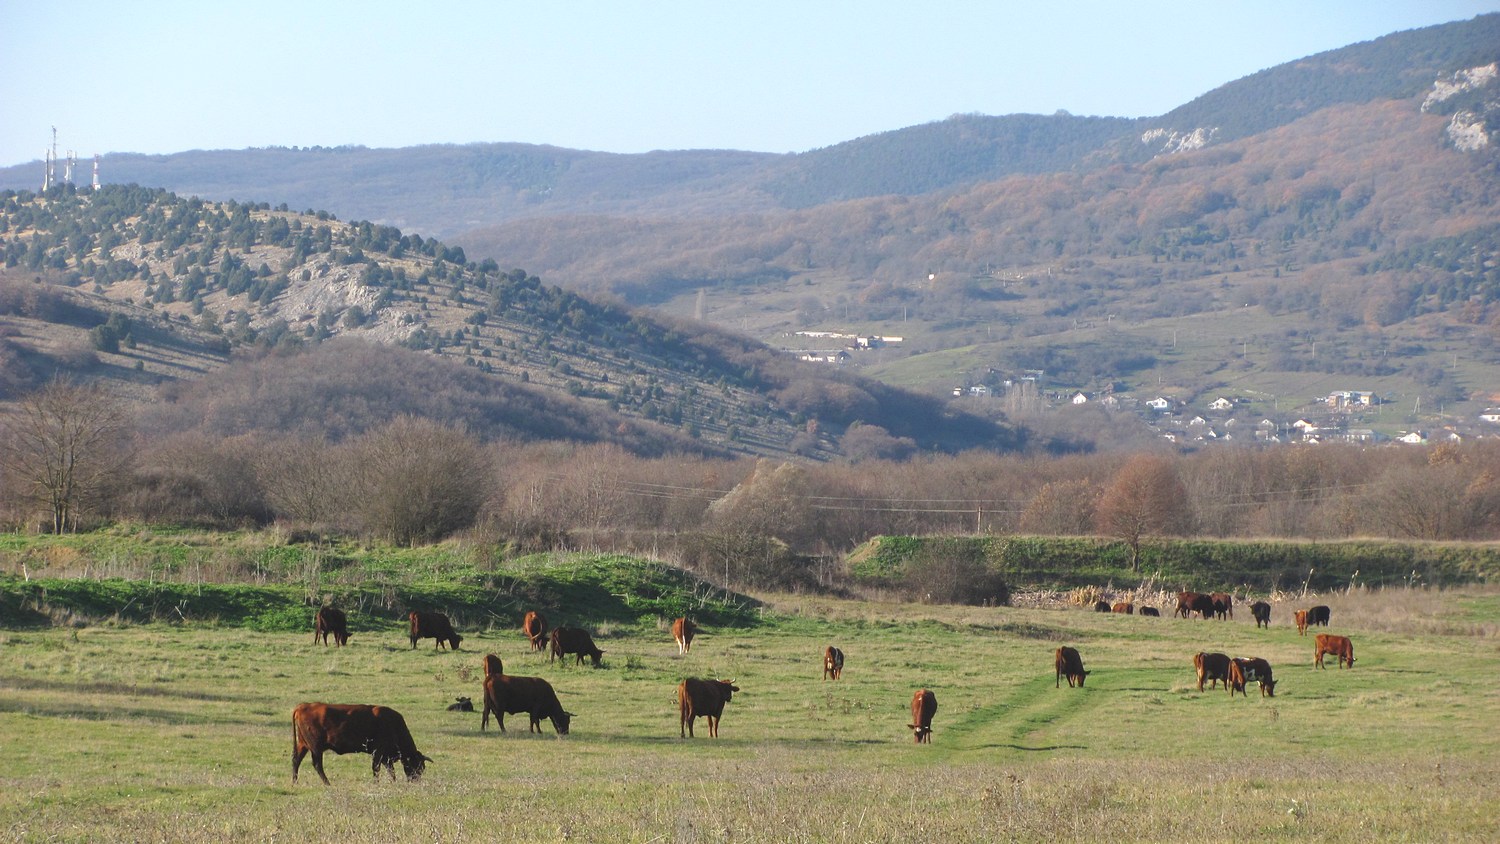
1221	403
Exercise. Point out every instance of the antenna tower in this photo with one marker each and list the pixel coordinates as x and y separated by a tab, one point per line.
71	160
96	171
50	173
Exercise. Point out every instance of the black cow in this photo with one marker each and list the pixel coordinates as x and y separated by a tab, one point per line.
331	620
572	640
433	625
1068	664
1262	613
1151	611
504	694
1318	615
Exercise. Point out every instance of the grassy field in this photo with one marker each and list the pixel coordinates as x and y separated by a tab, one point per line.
182	733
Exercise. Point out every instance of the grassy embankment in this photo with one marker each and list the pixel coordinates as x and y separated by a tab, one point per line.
158	731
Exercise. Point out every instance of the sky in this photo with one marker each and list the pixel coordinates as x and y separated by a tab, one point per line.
625	76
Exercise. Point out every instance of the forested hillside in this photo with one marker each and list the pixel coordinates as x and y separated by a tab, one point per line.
153	291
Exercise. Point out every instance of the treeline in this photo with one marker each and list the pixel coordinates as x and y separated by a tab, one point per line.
412	480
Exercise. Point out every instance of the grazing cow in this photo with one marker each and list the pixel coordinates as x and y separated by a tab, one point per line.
1223	605
331	620
1125	607
493	665
1151	611
354	728
1236	681
461	704
1257	670
504	694
1318	615
833	663
534	625
683	631
697	697
1102	606
572	640
923	707
1194	602
1301	617
1338	646
1211	667
1262	613
435	626
1068	664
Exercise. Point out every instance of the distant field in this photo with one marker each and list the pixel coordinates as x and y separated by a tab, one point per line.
182	733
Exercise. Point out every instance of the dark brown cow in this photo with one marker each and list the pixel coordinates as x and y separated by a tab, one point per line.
1223	605
683	630
1301	618
1194	602
354	728
1255	669
534	625
923	707
1262	614
1151	611
507	695
435	626
1318	615
833	663
1125	607
1338	646
1211	667
1236	681
1068	664
697	697
331	620
572	640
1101	606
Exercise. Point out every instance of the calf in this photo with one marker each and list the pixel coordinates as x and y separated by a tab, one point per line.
1261	611
435	626
923	707
833	663
1301	618
1125	607
354	728
706	698
534	625
331	620
1338	646
1151	611
1213	668
461	704
1258	670
572	640
1068	664
504	694
683	630
1101	606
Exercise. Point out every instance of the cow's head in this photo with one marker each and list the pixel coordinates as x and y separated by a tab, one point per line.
1268	687
414	766
561	722
454	640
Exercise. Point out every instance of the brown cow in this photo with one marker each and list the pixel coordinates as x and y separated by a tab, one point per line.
435	626
697	697
1151	611
1258	670
1194	602
331	620
493	665
1068	664
572	640
1338	646
354	728
1318	615
1211	667
1223	605
1301	618
683	630
1101	606
1261	611
1236	681
504	694
1125	607
923	707
833	663
534	625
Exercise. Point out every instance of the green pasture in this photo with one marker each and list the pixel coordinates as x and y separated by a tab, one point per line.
158	732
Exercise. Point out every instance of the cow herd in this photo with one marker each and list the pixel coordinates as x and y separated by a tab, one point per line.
382	732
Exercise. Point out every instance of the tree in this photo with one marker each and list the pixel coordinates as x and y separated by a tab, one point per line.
1146	498
416	480
64	449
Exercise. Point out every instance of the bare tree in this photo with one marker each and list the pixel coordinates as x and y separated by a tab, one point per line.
416	480
1146	498
65	448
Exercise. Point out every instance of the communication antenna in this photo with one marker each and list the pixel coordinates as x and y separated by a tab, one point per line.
72	159
96	171
50	174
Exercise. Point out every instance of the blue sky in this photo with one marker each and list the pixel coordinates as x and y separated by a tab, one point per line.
771	76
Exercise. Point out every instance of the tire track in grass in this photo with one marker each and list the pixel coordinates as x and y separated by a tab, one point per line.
1010	722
